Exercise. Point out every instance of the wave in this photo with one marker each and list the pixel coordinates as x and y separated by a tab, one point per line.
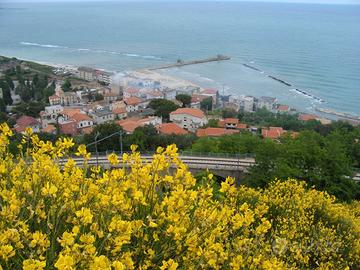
307	94
42	45
25	43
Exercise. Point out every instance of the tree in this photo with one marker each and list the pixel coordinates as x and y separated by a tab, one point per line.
6	92
66	86
2	105
229	113
32	108
104	130
184	99
163	107
206	104
98	97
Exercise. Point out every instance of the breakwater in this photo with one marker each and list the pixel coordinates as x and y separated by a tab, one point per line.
181	63
339	114
297	90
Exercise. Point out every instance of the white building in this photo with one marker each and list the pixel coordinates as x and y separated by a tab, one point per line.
189	118
247	103
102	115
86	73
133	104
267	103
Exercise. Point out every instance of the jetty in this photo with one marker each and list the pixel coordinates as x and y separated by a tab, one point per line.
181	63
339	114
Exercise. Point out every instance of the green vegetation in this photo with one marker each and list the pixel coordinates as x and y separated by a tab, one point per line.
206	104
184	99
163	108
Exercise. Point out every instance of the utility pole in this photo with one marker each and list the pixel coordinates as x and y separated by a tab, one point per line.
121	143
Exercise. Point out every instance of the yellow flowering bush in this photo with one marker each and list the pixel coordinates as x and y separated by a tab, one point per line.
139	215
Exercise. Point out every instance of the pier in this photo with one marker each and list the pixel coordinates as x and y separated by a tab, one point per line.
181	63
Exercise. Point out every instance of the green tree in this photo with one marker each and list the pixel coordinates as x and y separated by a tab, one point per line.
104	130
2	106
229	113
66	86
163	107
206	104
184	99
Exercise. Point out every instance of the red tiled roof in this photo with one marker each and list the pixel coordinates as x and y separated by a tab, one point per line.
69	128
49	129
80	117
198	98
119	110
129	125
171	128
209	91
190	111
241	126
133	101
283	108
307	117
25	121
70	112
272	132
214	132
131	90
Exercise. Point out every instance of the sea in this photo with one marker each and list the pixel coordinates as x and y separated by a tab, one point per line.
313	47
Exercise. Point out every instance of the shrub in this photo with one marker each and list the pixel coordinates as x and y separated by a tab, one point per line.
155	216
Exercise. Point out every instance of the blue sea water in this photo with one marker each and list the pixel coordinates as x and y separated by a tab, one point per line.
314	47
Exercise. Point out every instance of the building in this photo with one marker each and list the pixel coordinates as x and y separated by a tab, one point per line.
283	109
213	93
171	129
129	125
82	121
68	98
25	122
102	115
267	103
214	132
54	100
86	73
272	132
231	123
131	92
189	118
247	103
110	97
307	117
69	128
120	112
66	114
133	104
103	76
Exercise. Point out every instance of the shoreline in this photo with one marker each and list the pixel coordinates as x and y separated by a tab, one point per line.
327	111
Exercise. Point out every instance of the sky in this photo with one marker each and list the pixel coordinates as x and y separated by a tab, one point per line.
286	1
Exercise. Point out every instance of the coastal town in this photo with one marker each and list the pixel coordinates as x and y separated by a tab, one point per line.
99	96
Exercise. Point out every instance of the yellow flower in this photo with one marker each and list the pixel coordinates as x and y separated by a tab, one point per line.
49	190
6	252
113	159
65	263
170	265
31	264
100	263
81	151
84	215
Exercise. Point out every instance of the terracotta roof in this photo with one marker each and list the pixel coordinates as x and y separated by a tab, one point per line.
283	108
156	93
131	90
133	101
214	132
119	110
25	121
272	132
129	125
209	91
69	128
198	98
171	128
86	130
241	126
70	112
307	117
190	111
49	129
80	117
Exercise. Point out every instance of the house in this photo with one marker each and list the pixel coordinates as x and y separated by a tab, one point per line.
102	115
69	128
132	104
103	76
307	117
54	100
129	125
231	123
66	114
214	132
247	103
272	132
110	97
82	121
189	118
120	112
283	109
51	129
266	102
25	122
213	93
68	98
86	73
171	128
131	92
